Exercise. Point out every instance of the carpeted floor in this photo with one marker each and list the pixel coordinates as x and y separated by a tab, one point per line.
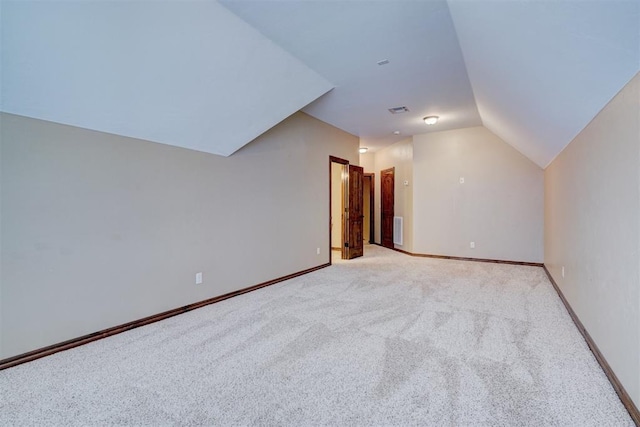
383	340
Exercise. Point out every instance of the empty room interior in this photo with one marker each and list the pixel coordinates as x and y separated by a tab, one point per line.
245	212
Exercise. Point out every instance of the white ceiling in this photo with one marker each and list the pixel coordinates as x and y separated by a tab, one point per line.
190	74
539	70
343	40
195	75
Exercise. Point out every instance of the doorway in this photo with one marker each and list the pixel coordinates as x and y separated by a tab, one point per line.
337	225
368	207
346	218
387	197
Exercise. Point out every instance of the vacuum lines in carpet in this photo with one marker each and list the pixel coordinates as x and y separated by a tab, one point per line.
384	340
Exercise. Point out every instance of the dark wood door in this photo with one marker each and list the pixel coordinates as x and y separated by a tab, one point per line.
356	213
387	195
370	179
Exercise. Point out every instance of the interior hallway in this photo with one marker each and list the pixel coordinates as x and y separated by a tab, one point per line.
386	339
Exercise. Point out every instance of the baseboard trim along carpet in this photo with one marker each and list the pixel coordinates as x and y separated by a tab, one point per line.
457	258
613	379
85	339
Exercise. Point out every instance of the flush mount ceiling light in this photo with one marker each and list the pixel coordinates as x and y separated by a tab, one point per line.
396	132
431	120
363	150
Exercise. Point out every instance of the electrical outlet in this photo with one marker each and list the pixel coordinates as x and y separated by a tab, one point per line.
317	251
462	180
472	245
198	278
563	271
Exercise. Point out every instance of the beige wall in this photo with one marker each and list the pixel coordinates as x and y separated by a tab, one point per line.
399	156
1	239
98	230
592	228
368	162
336	205
499	206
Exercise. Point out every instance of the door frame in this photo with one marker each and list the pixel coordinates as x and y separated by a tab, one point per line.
343	162
372	193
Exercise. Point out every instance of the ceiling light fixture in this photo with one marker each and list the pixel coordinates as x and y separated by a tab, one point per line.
396	132
431	120
363	150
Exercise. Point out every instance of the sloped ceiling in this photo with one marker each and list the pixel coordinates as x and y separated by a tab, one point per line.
536	71
190	74
541	70
196	75
344	40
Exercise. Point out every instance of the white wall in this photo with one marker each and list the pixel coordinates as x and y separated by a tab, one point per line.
400	157
99	230
499	206
592	228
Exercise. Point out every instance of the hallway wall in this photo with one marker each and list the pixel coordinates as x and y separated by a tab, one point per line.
400	157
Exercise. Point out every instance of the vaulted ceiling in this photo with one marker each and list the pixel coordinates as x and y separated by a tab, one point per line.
212	77
344	40
541	70
184	73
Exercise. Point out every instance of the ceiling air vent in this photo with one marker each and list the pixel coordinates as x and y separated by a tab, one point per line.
398	110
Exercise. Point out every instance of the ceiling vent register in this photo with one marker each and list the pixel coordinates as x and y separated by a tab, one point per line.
398	110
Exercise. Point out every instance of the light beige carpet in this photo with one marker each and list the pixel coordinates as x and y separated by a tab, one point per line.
382	340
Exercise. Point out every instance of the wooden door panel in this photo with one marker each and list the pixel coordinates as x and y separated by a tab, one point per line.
370	233
387	196
356	213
